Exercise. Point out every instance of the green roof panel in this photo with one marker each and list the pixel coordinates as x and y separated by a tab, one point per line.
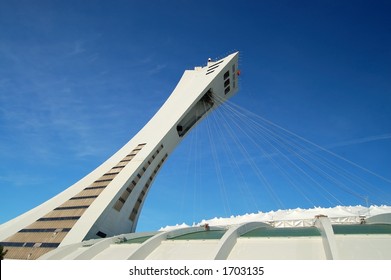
207	234
362	229
282	232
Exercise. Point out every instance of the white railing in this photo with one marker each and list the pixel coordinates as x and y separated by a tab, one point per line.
311	222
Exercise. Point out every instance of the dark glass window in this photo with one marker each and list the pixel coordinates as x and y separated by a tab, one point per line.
101	234
95	188
44	230
103	180
58	218
83	197
110	173
29	244
213	65
71	207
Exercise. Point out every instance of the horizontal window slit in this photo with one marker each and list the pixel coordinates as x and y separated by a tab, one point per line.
71	207
30	244
95	188
103	180
83	197
59	218
210	66
45	230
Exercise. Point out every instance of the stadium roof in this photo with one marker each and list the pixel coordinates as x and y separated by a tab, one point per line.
321	237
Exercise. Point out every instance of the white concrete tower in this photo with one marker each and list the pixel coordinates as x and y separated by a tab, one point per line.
108	201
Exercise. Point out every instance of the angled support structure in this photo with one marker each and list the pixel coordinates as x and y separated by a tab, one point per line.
108	201
327	233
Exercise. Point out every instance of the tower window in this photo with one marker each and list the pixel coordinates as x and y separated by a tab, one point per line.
226	75
101	234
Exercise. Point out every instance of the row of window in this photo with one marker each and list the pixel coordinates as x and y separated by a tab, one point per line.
52	224
227	81
45	230
83	197
72	207
58	218
95	188
214	65
29	244
85	194
211	68
227	87
37	237
124	196
118	167
111	173
65	213
79	201
136	208
103	181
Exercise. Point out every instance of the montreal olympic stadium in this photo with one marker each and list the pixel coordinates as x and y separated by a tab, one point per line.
96	217
320	238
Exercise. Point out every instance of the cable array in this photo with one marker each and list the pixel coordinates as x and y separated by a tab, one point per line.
261	166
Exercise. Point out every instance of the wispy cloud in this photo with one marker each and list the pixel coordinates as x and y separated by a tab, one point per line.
20	180
157	69
52	104
47	110
78	48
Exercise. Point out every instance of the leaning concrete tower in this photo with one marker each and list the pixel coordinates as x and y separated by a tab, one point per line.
108	201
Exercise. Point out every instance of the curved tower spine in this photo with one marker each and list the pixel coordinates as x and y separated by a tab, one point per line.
108	201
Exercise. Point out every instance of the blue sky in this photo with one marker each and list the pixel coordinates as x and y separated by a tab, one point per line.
79	78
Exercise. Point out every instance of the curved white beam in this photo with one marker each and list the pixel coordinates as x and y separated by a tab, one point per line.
151	244
228	241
